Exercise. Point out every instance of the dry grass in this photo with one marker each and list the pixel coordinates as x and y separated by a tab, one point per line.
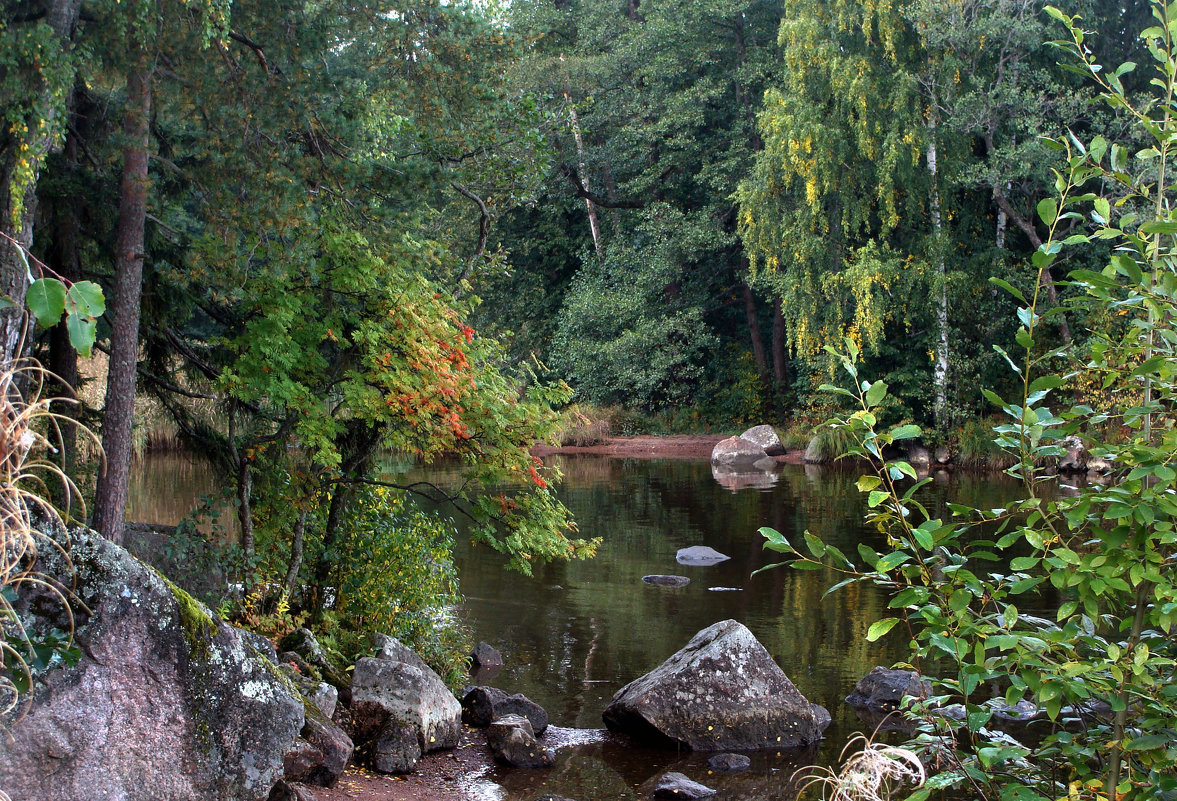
875	773
582	425
29	426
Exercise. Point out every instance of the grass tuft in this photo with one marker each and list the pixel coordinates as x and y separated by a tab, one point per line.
875	773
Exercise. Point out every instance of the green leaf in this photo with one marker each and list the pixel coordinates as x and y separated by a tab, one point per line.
892	561
1148	742
880	627
46	299
839	586
876	497
82	332
923	539
1010	288
1048	210
87	298
908	431
868	483
875	393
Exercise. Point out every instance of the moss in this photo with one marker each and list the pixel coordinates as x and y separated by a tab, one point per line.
198	624
276	672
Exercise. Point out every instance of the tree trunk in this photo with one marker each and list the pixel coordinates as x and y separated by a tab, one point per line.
1027	227
61	16
940	369
754	331
780	356
244	499
296	549
64	258
327	559
110	501
574	124
245	517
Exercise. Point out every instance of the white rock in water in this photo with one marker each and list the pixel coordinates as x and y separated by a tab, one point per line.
700	555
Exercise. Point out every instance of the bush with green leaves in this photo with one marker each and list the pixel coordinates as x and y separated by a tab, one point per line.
964	589
397	576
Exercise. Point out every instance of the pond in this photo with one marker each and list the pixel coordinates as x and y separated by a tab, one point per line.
573	634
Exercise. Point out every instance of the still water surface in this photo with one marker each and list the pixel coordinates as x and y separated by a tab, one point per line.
573	634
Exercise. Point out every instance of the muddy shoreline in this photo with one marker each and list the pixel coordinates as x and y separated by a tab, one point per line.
677	446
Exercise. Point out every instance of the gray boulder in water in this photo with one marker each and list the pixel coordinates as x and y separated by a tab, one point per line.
667	581
884	688
676	785
721	692
699	556
512	740
482	706
166	701
766	437
736	450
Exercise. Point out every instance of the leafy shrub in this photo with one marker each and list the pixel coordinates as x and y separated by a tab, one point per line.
397	576
961	587
829	444
583	424
974	446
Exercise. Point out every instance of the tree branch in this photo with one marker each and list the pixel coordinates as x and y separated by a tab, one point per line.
257	51
569	172
483	231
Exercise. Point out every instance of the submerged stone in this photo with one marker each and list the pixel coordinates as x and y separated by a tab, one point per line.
667	581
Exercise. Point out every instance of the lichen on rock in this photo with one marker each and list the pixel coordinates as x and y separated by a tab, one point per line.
165	702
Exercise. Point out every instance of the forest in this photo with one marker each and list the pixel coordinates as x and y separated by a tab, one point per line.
293	237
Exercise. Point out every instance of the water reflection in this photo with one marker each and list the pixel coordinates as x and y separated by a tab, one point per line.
574	634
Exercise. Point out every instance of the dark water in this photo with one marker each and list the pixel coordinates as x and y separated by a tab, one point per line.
573	634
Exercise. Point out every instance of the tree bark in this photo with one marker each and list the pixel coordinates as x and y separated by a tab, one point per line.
754	331
339	499
780	355
940	369
574	124
62	17
110	501
296	549
63	257
244	500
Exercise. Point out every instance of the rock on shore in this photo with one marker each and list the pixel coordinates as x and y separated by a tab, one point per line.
166	701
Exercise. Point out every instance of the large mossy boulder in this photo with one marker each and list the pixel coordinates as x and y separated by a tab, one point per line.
722	692
166	701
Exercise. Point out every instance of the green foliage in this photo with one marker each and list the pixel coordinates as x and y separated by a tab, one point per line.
36	73
963	588
397	576
974	446
622	340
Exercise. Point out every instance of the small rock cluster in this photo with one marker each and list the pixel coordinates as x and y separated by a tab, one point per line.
396	709
512	722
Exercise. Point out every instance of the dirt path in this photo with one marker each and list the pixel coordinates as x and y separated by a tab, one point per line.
441	776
